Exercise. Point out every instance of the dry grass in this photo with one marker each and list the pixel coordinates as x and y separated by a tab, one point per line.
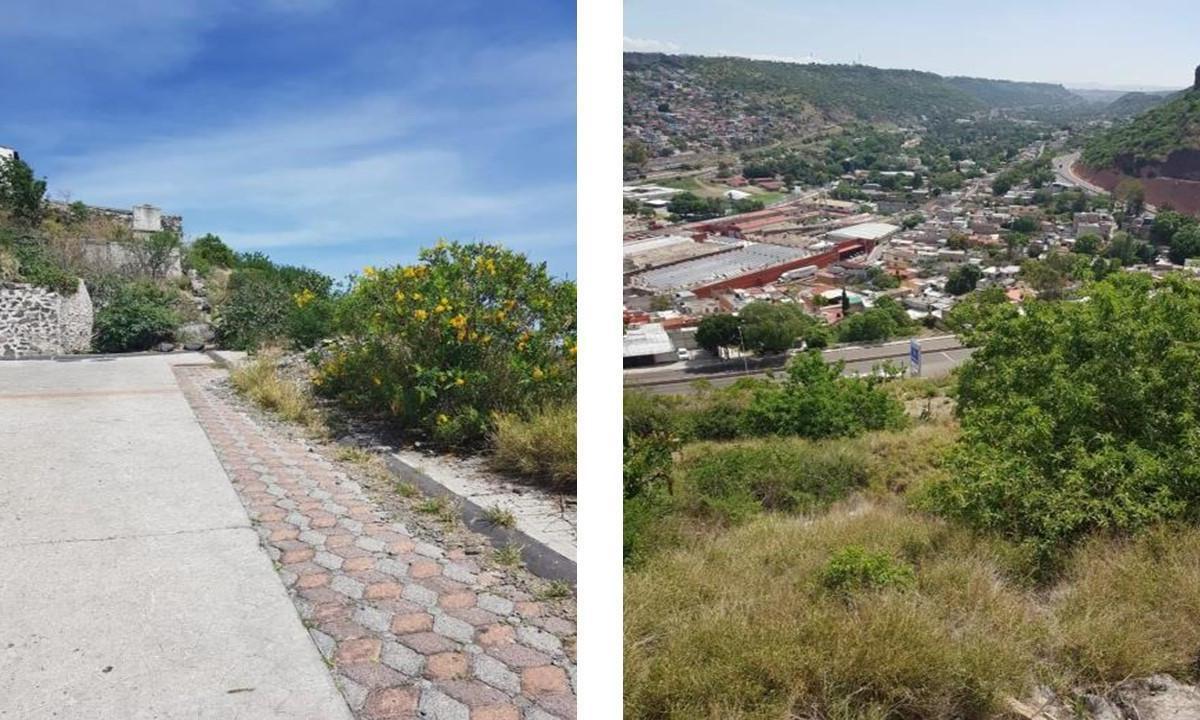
1132	608
259	381
353	455
541	447
742	627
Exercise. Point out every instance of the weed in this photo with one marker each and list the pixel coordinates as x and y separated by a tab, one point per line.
432	506
354	455
508	556
260	382
555	589
406	489
500	517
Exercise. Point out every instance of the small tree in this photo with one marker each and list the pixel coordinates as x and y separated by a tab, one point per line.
718	331
963	279
1185	244
1087	244
22	195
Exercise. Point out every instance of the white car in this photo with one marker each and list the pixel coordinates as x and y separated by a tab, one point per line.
683	354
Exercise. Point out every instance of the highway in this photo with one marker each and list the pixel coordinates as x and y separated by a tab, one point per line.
1064	171
940	355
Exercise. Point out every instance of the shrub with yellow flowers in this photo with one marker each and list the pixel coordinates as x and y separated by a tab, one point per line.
442	345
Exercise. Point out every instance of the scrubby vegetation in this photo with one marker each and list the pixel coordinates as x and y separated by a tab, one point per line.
540	445
1064	435
439	346
136	316
267	303
1149	138
1045	534
261	382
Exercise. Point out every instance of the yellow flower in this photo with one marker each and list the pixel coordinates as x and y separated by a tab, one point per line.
376	380
369	272
442	419
303	298
538	374
399	296
571	349
420	314
458	321
459	382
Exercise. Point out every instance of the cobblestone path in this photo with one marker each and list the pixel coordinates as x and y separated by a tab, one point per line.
409	629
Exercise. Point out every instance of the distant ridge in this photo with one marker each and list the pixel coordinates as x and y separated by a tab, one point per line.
859	91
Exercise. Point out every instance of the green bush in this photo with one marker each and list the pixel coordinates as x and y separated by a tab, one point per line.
255	311
815	401
30	261
137	316
209	251
1081	416
274	304
854	568
729	482
442	345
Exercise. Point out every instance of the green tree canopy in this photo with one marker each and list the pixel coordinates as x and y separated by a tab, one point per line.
963	279
718	331
22	195
815	401
775	327
1185	244
1081	416
1087	244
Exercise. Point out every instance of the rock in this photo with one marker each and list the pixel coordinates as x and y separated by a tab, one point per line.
196	281
1100	708
165	347
1158	697
197	332
193	346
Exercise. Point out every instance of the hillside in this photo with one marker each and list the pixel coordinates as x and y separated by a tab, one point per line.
1132	104
1014	95
1163	141
691	102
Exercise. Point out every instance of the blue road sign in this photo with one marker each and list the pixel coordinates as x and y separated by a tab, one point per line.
914	357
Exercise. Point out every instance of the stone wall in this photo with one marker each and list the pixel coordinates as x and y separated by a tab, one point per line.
37	321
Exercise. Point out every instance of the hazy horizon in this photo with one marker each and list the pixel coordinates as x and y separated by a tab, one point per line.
1021	41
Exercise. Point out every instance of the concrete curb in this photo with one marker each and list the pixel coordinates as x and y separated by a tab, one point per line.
539	558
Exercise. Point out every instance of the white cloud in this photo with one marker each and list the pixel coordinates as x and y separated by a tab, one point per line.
645	45
304	178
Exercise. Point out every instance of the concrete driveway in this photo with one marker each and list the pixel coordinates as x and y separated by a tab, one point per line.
131	583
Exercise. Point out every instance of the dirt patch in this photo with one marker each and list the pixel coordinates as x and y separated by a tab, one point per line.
1182	195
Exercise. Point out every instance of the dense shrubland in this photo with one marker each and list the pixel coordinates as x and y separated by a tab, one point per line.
1043	535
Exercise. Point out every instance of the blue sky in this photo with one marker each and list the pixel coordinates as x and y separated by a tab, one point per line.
1106	43
330	133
